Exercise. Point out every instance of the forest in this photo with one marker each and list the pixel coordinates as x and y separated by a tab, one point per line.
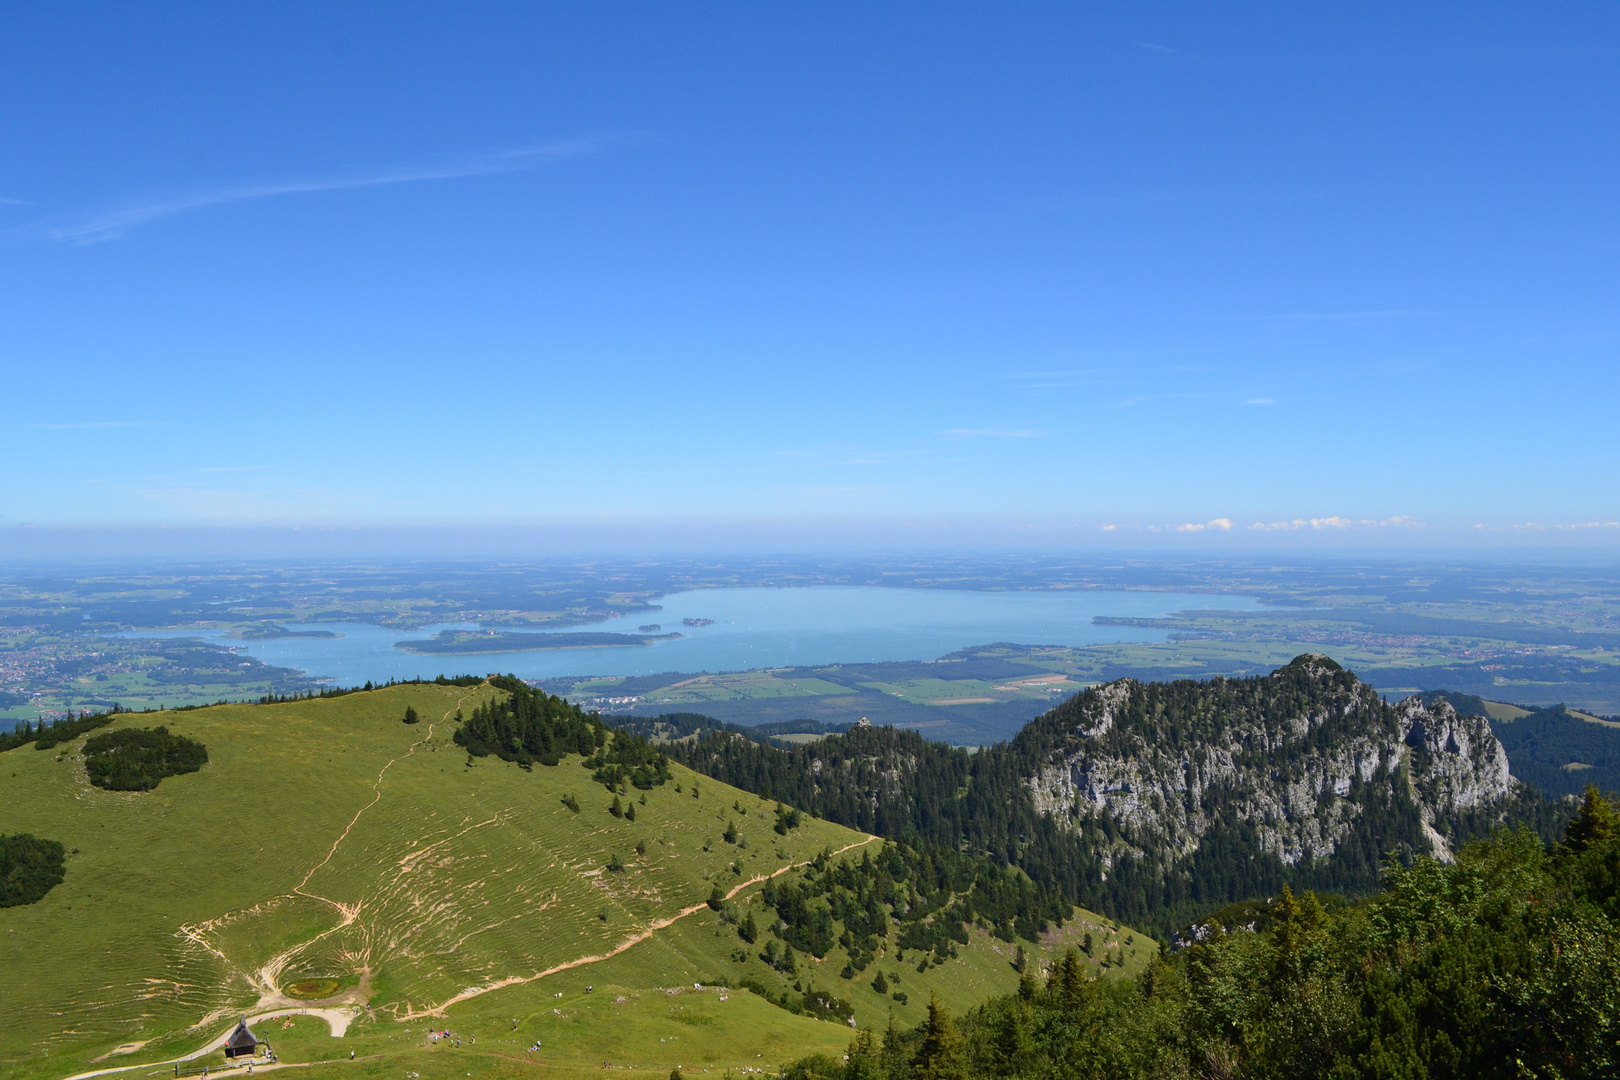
528	726
897	784
1503	964
531	727
1544	744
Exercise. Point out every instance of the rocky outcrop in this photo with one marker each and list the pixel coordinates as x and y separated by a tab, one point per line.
1301	757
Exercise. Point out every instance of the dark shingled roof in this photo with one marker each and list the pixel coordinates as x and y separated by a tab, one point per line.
242	1036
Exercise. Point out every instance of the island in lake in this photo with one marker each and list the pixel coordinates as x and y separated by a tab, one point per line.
650	628
697	622
272	632
460	642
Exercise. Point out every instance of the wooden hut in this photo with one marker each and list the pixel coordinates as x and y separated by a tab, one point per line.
242	1043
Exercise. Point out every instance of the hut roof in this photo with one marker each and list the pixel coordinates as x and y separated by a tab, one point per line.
242	1036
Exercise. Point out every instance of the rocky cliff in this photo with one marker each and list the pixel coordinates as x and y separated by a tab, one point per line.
1302	762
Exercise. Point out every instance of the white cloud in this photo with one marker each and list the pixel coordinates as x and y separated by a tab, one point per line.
1218	525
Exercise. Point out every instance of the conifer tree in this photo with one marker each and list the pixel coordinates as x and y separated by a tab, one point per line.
941	1055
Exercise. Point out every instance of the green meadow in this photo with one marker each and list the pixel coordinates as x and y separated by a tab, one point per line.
328	848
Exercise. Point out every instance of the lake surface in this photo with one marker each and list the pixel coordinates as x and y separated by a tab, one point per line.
755	628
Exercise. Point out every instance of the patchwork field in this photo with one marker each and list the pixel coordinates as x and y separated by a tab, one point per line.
326	844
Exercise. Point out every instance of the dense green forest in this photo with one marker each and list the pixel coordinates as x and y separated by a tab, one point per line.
137	759
897	784
1504	964
29	868
1543	745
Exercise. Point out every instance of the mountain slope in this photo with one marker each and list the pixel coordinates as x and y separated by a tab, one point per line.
326	840
1155	802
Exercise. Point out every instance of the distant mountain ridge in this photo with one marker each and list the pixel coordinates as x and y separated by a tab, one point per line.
1157	802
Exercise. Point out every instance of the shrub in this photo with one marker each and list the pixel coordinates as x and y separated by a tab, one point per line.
410	716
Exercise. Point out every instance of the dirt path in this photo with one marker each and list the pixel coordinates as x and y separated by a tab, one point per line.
634	939
337	1019
267	977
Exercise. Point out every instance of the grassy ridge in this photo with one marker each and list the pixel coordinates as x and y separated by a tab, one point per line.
284	859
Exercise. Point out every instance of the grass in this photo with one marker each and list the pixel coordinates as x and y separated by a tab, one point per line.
451	894
1502	711
197	901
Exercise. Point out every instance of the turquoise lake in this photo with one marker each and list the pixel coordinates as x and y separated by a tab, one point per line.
754	628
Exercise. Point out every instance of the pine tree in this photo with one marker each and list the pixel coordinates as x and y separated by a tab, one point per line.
1594	825
748	930
617	809
941	1056
1068	983
865	1059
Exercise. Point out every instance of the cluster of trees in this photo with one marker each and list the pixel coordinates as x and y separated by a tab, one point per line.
1505	964
629	758
529	726
45	736
29	868
137	759
899	785
901	900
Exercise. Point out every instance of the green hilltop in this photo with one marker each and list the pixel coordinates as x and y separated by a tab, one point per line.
328	856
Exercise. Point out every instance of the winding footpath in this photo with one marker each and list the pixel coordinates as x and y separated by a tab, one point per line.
634	939
338	1019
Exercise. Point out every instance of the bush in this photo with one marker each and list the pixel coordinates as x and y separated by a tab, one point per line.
29	868
137	759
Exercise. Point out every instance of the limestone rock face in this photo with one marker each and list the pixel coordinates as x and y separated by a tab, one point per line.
1300	758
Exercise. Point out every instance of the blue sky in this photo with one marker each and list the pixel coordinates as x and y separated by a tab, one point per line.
1100	271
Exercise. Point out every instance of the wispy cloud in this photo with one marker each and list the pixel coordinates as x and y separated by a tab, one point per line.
114	224
1340	316
1337	522
14	202
1260	401
1533	526
987	433
89	425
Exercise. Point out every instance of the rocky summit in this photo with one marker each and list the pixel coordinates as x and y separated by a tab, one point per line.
1304	761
